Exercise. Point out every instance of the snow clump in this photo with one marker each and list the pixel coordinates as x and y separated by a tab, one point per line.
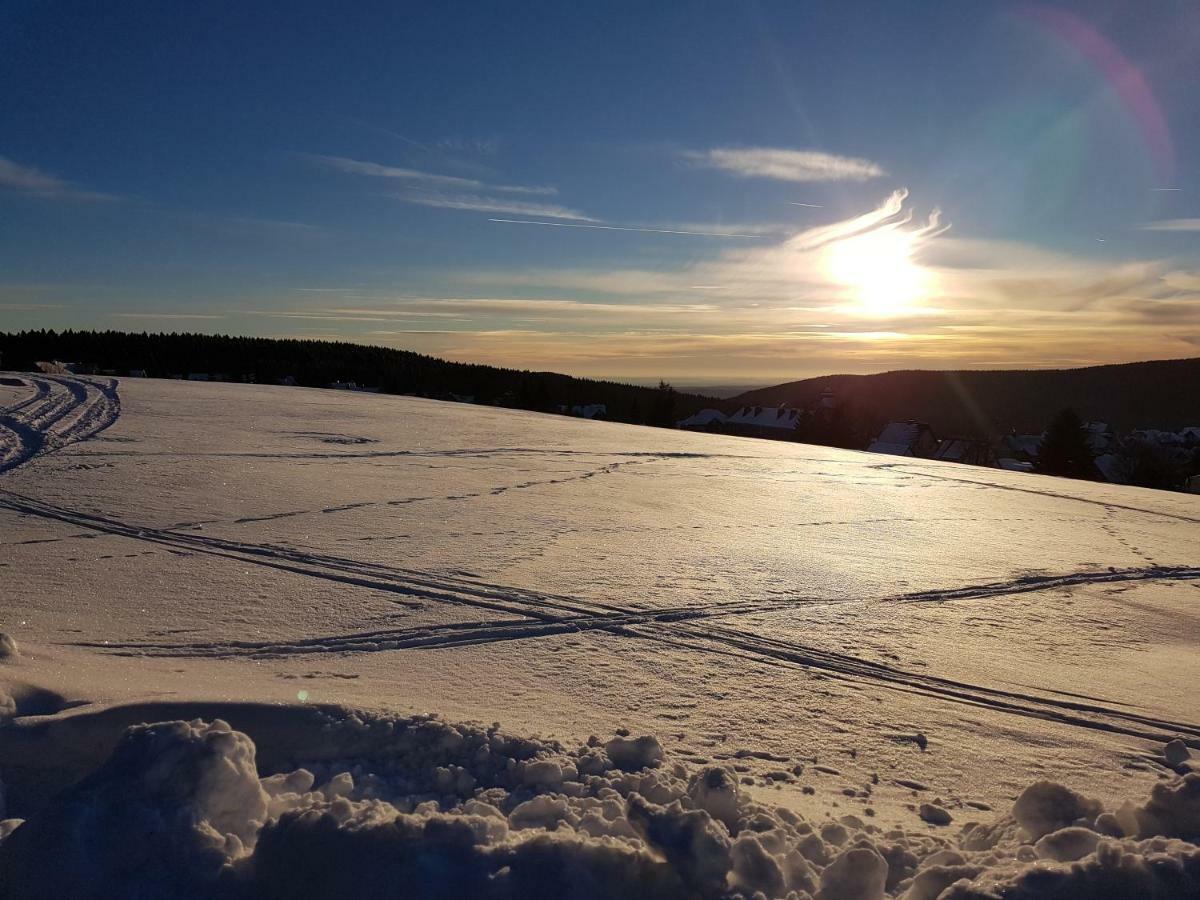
417	807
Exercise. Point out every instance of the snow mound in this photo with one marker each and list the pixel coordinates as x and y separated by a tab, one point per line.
417	807
8	647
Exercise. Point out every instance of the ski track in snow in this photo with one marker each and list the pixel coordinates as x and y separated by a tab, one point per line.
62	410
535	615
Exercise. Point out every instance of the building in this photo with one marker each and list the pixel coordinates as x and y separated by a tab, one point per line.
1099	437
1023	448
704	420
776	422
969	451
590	411
906	439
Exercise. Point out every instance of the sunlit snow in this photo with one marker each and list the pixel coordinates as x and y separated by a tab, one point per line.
820	638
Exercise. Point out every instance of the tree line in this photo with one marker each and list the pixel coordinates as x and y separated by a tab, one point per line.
314	363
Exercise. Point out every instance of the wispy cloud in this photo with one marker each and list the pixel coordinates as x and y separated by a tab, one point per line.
429	179
1171	225
499	205
683	230
28	180
164	315
785	165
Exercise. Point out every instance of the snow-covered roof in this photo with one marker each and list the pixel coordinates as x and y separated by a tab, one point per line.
906	433
899	438
1029	444
1158	436
954	449
765	417
590	411
702	419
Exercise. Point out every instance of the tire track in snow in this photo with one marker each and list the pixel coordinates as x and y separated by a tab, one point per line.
62	410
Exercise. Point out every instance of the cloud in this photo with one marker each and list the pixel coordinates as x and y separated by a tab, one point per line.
26	178
500	205
785	165
164	315
1172	225
776	308
29	180
431	179
687	229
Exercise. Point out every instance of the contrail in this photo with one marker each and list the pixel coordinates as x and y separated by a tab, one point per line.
809	205
625	228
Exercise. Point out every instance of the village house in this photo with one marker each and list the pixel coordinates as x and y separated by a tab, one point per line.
969	451
590	411
704	420
906	439
775	422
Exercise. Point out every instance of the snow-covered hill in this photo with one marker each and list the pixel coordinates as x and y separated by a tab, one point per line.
881	646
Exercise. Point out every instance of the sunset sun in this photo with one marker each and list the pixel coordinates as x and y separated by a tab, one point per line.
879	269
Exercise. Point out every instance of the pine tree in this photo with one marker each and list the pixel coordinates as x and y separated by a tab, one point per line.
663	413
1064	449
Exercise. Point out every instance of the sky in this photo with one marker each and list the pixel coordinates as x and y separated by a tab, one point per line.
712	193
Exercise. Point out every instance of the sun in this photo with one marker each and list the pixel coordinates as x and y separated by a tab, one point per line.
880	270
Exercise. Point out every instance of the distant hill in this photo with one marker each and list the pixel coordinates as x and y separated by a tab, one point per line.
318	363
1163	394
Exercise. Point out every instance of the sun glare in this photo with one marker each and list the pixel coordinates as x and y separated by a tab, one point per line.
879	268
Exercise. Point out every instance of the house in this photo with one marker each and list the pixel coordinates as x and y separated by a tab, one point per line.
906	439
198	376
137	373
287	381
1099	438
590	411
705	420
343	385
1021	447
1111	469
776	422
969	451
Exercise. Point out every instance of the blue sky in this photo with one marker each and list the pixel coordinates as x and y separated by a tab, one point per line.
767	190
